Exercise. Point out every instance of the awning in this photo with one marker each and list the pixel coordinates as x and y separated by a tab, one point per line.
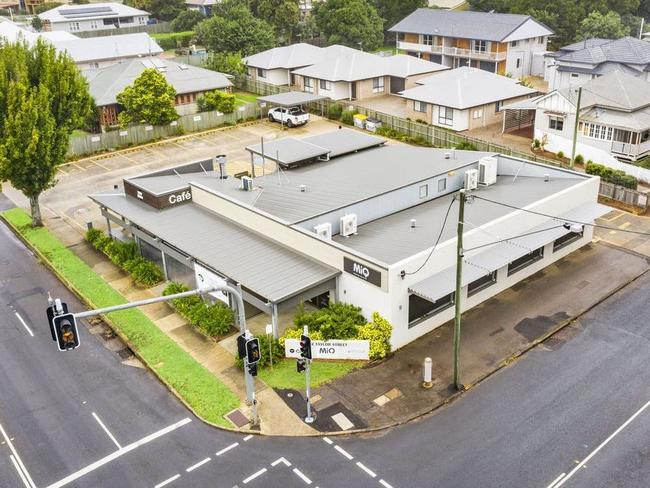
527	104
291	99
479	263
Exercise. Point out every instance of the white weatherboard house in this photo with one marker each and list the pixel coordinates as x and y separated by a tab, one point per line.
92	17
614	119
355	220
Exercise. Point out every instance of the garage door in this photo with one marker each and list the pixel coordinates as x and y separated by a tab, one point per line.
397	84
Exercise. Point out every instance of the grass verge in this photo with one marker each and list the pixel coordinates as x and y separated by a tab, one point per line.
242	98
284	375
196	386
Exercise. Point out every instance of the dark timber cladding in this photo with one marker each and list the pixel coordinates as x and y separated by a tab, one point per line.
164	200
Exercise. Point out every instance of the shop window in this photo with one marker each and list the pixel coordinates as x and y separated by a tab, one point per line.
482	283
151	253
421	309
566	239
525	261
179	271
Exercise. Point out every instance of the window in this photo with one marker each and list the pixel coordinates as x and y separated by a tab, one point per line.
325	85
424	191
142	20
446	116
442	184
74	26
309	85
524	261
378	84
555	123
479	46
126	20
93	65
518	62
540	39
566	239
110	22
513	44
93	24
419	106
477	114
261	73
482	283
421	309
575	75
497	106
427	39
595	131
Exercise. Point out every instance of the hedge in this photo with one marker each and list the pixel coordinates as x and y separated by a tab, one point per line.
610	175
173	40
334	111
393	134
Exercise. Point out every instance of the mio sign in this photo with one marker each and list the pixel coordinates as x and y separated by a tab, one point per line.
362	271
334	349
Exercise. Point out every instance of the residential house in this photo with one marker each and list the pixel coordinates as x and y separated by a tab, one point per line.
362	75
189	82
463	98
449	4
500	43
92	17
203	6
576	64
614	118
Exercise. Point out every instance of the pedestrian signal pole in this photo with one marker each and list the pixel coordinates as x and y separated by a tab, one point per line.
305	354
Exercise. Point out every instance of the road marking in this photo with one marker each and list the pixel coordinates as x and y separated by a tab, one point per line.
20	472
281	460
24	324
384	483
344	452
108	432
603	444
226	449
198	465
302	476
328	440
111	457
254	475
248	437
556	480
17	458
167	481
367	470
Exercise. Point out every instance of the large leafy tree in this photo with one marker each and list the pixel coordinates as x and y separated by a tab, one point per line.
43	98
185	21
149	100
392	11
353	23
608	26
283	15
238	31
160	9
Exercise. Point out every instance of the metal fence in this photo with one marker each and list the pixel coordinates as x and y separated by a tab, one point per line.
627	196
159	28
141	134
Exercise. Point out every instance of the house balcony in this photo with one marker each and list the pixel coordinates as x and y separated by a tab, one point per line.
630	150
452	51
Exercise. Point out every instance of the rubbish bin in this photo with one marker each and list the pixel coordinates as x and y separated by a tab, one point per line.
372	124
360	120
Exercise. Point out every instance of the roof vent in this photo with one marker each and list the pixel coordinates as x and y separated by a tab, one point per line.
247	183
547	177
447	155
324	231
348	225
303	188
220	160
413	222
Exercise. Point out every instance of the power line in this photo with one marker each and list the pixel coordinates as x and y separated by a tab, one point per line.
511	238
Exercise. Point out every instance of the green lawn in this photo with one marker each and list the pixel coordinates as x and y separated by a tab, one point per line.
242	98
284	375
386	47
170	35
210	398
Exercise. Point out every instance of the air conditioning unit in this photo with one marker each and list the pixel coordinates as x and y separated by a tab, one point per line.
487	170
348	225
324	231
247	183
471	179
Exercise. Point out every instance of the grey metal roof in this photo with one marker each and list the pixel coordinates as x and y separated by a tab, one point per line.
638	120
287	57
466	87
626	50
342	181
345	141
259	264
616	90
66	13
109	47
290	99
390	239
481	262
106	83
465	25
288	151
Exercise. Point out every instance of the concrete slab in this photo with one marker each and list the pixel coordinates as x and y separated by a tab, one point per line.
342	421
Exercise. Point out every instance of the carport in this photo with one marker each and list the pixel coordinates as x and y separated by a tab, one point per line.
291	99
519	115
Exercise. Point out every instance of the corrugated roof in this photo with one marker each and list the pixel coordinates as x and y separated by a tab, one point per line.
109	47
466	87
289	150
259	264
616	90
67	13
287	57
465	25
638	120
290	99
345	141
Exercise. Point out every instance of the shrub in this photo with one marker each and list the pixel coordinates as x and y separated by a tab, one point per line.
277	349
93	235
186	20
217	100
610	175
336	321
560	154
121	252
579	159
174	40
347	117
420	121
537	144
466	146
143	271
334	111
378	332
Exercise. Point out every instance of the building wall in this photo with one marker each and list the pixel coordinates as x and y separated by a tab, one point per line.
364	88
489	114
524	52
460	119
416	115
92	25
340	90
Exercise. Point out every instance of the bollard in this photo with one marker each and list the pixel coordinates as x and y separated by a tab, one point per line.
427	372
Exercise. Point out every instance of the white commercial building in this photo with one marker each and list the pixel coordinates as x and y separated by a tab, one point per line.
354	220
92	17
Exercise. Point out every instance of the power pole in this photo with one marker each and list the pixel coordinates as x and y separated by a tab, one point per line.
575	130
459	275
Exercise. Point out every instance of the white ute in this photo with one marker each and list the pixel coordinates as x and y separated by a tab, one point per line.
292	116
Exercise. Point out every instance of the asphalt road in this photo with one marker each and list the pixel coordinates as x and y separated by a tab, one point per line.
524	427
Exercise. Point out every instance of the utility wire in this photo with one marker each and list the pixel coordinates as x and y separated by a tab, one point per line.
511	238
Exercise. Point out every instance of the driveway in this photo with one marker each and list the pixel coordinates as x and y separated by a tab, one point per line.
388	104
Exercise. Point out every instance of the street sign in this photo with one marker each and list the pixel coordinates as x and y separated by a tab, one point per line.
335	349
206	279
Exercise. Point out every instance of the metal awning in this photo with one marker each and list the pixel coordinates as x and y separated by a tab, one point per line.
481	262
289	151
291	99
527	104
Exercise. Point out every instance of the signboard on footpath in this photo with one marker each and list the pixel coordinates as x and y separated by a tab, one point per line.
206	278
334	349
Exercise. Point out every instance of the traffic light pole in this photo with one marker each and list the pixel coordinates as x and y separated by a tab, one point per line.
309	418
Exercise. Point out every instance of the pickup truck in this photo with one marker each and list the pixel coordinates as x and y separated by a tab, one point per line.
292	116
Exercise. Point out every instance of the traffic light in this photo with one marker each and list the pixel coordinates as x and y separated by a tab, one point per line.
252	369
301	365
241	346
253	350
50	317
65	329
305	347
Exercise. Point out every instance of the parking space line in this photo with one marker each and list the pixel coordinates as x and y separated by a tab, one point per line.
167	481
344	452
556	481
254	475
281	460
108	432
248	437
20	472
24	324
328	440
198	465
301	475
226	449
384	483
366	469
19	461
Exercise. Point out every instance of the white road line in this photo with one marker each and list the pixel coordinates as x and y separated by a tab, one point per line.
226	449
119	453
20	472
603	444
344	452
254	475
328	440
198	465
167	481
281	460
367	470
302	476
108	432
17	457
24	324
556	480
383	483
248	437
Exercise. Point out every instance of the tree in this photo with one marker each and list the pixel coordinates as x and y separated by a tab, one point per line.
392	11
608	26
185	21
284	15
353	23
239	31
229	63
217	100
149	100
307	28
159	9
37	23
44	7
43	98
